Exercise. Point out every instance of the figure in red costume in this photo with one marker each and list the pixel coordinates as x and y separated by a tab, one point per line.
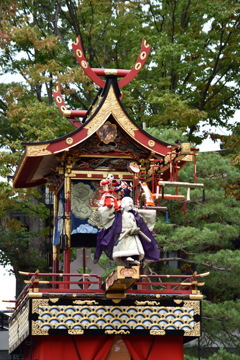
109	196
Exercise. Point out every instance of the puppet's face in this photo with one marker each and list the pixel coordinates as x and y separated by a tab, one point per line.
127	203
110	177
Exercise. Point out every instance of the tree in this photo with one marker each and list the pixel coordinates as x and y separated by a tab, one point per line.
204	239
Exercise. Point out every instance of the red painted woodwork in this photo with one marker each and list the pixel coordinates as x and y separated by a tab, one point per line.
67	260
62	145
117	72
94	74
146	140
75	113
145	49
78	51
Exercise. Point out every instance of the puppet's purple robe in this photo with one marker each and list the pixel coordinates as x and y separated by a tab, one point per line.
108	238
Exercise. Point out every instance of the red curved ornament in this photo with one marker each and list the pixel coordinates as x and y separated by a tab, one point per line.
104	72
78	51
145	49
94	74
69	114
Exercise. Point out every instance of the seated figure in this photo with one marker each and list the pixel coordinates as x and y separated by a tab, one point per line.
125	237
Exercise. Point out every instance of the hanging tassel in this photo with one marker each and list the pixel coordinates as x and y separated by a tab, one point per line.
188	194
166	214
203	196
63	242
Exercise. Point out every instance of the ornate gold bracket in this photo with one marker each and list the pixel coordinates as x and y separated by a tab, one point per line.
121	280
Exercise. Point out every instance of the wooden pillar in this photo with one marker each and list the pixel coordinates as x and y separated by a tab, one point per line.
67	226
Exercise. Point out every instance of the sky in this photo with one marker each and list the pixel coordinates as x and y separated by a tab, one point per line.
7	286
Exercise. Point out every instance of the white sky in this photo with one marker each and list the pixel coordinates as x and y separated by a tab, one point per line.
8	288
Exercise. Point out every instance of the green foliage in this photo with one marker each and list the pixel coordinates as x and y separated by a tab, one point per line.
207	239
220	354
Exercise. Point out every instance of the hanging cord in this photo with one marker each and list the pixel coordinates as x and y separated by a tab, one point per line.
76	348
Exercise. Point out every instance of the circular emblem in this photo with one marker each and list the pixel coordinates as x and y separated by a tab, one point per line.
145	44
143	55
63	108
84	64
79	53
151	143
138	66
59	99
77	41
69	140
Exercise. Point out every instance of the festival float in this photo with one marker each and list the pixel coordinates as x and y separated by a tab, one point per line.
108	177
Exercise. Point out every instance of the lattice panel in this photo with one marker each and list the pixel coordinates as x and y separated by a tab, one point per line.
19	327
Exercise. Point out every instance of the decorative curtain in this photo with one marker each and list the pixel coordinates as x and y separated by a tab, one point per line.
82	347
155	347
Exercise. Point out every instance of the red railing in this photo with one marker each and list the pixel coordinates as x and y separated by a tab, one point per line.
147	285
93	284
89	283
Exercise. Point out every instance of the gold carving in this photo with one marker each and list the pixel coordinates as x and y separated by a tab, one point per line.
147	302
196	297
151	143
116	301
195	305
117	332
187	158
36	330
54	300
76	332
36	303
35	294
38	150
157	332
69	140
196	331
178	301
185	148
87	313
110	71
86	302
128	272
111	106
